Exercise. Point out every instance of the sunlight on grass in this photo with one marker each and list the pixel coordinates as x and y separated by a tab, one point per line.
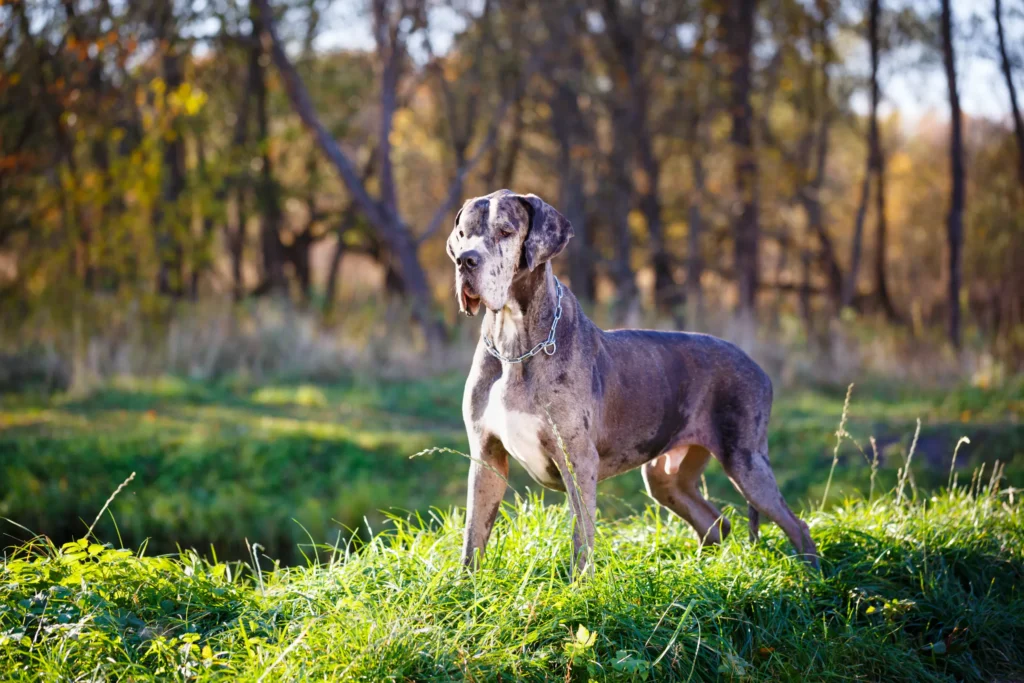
919	591
304	395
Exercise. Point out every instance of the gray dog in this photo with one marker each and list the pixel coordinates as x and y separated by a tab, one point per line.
575	404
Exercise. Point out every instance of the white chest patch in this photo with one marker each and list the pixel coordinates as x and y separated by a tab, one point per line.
519	432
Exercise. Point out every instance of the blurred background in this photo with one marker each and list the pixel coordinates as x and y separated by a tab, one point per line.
222	235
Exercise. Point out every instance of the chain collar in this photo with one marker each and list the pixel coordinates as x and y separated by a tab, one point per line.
548	345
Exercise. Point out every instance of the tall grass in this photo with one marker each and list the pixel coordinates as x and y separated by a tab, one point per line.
917	590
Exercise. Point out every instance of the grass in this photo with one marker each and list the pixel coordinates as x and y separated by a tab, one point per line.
926	590
914	585
285	464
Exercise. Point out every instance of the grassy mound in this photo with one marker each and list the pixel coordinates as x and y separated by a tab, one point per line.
927	589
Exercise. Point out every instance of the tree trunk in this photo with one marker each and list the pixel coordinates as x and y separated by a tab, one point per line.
649	200
878	162
389	226
333	270
567	124
857	242
739	39
627	37
169	275
695	221
955	224
500	171
810	197
627	303
232	186
236	245
201	262
1018	124
269	199
881	244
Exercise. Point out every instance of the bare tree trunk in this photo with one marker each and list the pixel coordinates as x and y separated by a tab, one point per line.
881	244
1018	124
810	197
333	270
201	264
568	125
856	244
170	276
695	220
508	169
805	279
627	37
232	190
390	53
878	162
739	39
269	200
627	304
348	216
236	245
955	224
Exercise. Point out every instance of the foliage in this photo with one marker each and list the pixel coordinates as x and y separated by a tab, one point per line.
151	156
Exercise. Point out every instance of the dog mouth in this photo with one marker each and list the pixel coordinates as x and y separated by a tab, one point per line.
469	302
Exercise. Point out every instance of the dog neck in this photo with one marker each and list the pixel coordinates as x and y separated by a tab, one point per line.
525	321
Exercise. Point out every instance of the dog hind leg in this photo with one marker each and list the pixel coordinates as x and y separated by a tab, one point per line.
756	481
672	480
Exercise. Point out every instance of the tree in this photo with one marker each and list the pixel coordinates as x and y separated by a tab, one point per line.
737	27
1004	61
955	219
268	192
391	29
875	170
629	40
878	162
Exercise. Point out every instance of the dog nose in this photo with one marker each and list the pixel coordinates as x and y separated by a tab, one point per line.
468	260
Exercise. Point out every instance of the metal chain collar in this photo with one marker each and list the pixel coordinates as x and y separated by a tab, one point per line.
548	345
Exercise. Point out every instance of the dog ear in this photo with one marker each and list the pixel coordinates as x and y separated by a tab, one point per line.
548	233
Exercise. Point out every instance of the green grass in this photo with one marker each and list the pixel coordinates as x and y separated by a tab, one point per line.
926	590
923	589
282	464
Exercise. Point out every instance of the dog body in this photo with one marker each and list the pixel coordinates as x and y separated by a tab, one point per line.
591	404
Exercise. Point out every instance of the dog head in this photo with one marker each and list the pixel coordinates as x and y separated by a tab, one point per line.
495	238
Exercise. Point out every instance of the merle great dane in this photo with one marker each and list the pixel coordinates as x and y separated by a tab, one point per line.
575	404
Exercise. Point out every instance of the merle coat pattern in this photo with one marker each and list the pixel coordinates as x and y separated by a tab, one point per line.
619	400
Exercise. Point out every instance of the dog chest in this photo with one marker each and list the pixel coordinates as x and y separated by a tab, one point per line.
519	432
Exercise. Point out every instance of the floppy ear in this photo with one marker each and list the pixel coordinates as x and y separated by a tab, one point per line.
548	233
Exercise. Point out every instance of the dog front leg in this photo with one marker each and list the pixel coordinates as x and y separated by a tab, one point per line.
488	479
579	474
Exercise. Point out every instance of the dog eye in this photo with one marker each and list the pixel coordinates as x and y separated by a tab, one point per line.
506	230
461	234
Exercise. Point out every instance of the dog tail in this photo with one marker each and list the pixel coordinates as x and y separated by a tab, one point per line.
755	523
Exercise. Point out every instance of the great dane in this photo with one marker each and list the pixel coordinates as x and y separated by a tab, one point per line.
574	404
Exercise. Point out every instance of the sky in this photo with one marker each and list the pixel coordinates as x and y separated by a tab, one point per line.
915	90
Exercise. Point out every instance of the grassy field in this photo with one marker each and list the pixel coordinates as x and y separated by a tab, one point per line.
915	591
284	465
321	550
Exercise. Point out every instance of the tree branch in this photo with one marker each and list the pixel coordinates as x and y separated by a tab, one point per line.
455	189
303	105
